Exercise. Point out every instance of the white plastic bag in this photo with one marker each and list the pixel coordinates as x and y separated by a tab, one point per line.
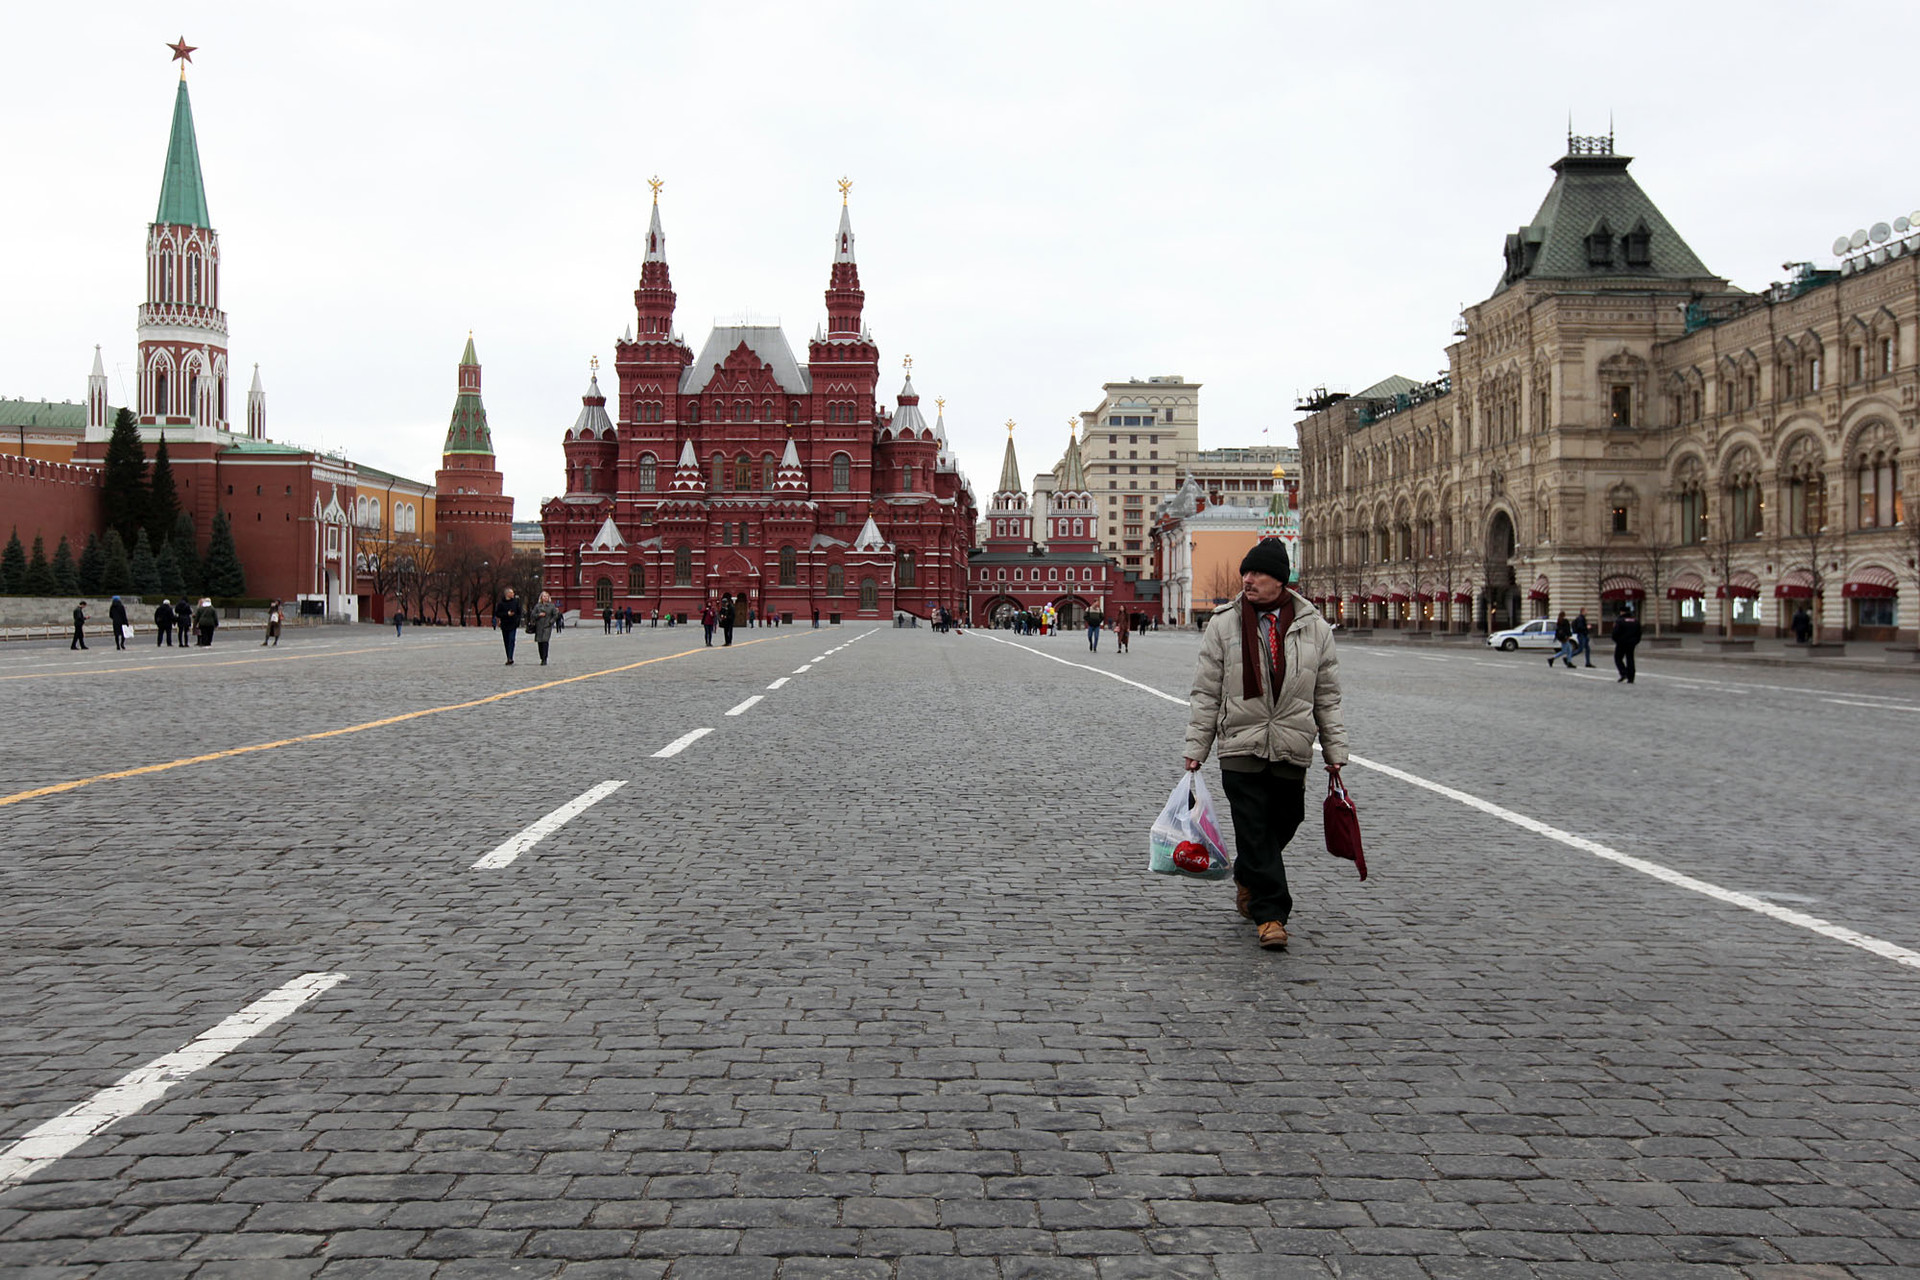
1185	840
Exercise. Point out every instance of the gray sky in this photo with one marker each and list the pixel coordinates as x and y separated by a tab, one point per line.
1262	197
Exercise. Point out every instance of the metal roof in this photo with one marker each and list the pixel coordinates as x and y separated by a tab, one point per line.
183	198
1586	190
766	341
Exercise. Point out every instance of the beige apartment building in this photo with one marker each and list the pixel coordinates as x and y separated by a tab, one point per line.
1619	426
1131	442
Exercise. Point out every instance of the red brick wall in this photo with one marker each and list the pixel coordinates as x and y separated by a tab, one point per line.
52	499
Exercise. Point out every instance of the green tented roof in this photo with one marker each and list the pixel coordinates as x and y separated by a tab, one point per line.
1587	191
183	198
467	432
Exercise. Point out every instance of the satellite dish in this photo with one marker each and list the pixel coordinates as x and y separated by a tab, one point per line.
1858	239
1841	245
1880	232
1902	225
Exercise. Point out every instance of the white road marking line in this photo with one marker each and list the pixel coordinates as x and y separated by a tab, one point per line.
1826	928
1877	706
546	826
745	705
777	683
140	1088
681	743
800	671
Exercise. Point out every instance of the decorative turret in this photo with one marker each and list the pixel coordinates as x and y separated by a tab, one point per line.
654	300
1009	516
845	299
688	480
256	408
467	431
1070	514
1282	521
97	397
790	480
592	446
471	502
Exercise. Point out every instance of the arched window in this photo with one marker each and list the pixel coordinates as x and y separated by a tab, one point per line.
693	411
789	567
904	573
603	593
906	479
768	469
836	580
842	473
766	411
1077	528
193	277
717	469
869	594
636	579
683	565
649	473
743	411
586	478
793	411
743	473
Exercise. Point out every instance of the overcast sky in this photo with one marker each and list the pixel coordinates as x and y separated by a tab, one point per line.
1048	196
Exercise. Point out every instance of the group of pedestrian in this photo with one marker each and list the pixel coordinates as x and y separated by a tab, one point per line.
719	614
542	621
167	619
1574	639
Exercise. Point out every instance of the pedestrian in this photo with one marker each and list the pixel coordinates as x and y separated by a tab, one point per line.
1268	682
1626	635
726	619
1121	631
1582	637
1093	633
117	615
753	617
163	625
653	619
206	619
1563	637
183	619
606	619
399	617
816	619
545	617
506	616
709	616
1802	625
273	625
79	626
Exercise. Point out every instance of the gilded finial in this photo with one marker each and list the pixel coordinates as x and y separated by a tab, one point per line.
942	402
846	185
595	362
906	362
1009	426
656	184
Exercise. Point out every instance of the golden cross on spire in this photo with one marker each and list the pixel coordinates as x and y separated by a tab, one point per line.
846	185
942	402
595	362
1009	426
906	362
656	184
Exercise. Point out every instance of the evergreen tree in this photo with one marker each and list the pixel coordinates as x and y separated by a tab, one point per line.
222	574
171	582
93	563
66	575
163	498
13	567
186	552
123	483
146	571
40	580
116	574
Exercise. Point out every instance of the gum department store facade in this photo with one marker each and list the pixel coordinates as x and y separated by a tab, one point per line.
1617	424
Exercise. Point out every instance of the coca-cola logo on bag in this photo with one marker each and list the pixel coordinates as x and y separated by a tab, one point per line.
1192	857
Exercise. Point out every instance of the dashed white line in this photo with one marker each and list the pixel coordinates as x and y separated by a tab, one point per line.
140	1088
800	671
546	826
681	743
1877	706
745	705
777	683
1826	928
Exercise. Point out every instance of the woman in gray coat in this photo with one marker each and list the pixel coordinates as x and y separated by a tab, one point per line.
544	618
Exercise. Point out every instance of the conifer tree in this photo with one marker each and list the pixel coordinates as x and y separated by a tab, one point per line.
186	552
13	567
116	571
163	496
146	571
123	482
223	575
66	574
40	581
93	563
171	583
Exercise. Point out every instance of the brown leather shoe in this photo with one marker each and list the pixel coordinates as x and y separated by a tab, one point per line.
1243	900
1273	936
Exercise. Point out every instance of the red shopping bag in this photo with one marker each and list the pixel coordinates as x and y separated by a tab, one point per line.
1343	825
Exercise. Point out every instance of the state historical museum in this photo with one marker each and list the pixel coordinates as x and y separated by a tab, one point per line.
745	471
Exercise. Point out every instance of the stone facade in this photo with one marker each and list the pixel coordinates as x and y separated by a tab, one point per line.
1131	443
1617	425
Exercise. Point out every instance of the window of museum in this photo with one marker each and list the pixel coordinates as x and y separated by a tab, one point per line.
1620	520
683	566
1859	364
1744	499
1813	374
1639	245
842	473
869	594
836	580
768	469
726	534
693	411
649	473
636	579
905	574
789	567
717	472
839	517
1753	391
743	474
1693	515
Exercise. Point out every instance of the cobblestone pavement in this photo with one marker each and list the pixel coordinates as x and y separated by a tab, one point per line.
870	981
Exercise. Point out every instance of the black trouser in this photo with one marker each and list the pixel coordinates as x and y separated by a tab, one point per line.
79	638
206	637
163	635
185	627
726	629
119	636
1623	661
509	634
542	646
1267	808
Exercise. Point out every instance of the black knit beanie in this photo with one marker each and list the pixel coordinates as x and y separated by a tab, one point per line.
1268	556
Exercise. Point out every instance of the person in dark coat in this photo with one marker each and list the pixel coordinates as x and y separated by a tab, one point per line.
1582	638
726	619
163	624
79	626
1626	636
183	619
1802	625
708	617
117	615
273	626
205	620
506	616
1122	630
1562	636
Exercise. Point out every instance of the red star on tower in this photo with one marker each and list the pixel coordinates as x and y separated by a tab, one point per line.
182	52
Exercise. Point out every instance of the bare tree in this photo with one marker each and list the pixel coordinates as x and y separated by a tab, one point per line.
1818	542
1449	575
1221	584
374	558
1657	559
1720	548
1419	572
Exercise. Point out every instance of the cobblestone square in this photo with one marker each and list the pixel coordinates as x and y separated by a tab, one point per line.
869	979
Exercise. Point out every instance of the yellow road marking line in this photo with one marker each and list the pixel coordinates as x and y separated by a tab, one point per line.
230	752
230	662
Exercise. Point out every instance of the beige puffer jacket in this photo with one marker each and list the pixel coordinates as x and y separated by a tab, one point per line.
1273	729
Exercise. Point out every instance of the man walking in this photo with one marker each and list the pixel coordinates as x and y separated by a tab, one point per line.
1582	638
1267	683
117	616
1626	636
726	619
506	616
163	624
183	619
79	626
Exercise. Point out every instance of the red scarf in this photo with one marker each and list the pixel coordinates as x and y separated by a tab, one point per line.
1250	645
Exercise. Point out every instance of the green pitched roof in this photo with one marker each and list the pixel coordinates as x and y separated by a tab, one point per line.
1593	194
1009	470
183	199
467	432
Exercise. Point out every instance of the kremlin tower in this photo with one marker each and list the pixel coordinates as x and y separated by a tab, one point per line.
472	505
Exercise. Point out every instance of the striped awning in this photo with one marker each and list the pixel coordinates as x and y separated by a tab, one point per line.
1871	583
1686	586
1622	587
1795	584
